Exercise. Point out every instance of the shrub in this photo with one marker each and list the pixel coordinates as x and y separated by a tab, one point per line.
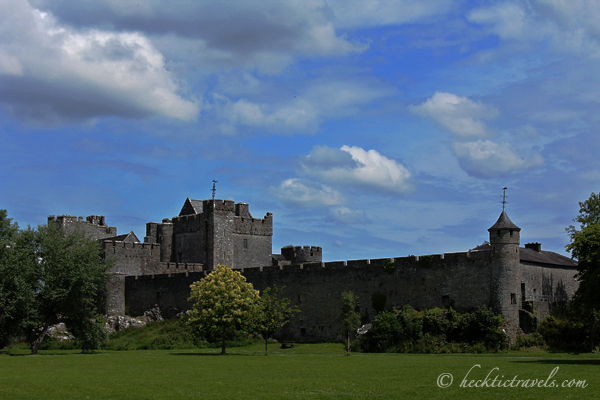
435	331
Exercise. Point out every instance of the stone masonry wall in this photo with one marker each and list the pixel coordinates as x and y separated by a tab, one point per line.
432	281
132	258
544	286
93	226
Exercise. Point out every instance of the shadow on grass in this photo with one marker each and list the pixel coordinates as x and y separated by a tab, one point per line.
558	361
209	354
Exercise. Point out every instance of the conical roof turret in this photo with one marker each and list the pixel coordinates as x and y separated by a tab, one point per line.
504	223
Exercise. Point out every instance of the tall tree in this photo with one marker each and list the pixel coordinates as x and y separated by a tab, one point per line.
276	312
224	303
585	248
17	278
69	276
350	318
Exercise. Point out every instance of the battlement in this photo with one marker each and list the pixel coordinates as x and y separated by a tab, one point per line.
129	245
93	225
218	205
70	219
191	217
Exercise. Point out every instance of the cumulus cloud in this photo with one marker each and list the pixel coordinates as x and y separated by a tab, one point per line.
463	117
356	166
305	193
49	70
487	159
266	35
460	115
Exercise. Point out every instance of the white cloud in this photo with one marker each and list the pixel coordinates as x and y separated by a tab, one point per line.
507	20
304	193
568	26
52	69
459	115
366	168
487	159
302	112
267	34
347	215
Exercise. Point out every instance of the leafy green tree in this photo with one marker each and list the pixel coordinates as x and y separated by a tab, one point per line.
276	312
585	248
224	303
69	275
16	280
350	318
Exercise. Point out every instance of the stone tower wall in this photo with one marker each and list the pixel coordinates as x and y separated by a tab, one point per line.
506	275
189	243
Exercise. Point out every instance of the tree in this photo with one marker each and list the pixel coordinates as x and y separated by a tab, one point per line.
585	248
69	276
276	312
16	281
224	303
350	318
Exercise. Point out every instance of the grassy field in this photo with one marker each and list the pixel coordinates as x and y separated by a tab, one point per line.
315	371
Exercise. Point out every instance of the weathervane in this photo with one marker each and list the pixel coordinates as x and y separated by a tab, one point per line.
214	189
504	198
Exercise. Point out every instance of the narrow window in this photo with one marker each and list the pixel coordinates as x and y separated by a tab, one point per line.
513	298
245	244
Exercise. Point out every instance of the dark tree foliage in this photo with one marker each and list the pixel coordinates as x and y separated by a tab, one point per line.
585	248
49	276
408	330
17	278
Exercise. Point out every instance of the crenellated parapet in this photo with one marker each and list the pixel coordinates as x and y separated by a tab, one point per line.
92	226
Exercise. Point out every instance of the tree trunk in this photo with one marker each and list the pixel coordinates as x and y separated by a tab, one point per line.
266	343
35	344
223	347
348	348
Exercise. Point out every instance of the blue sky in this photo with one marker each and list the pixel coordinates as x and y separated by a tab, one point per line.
370	128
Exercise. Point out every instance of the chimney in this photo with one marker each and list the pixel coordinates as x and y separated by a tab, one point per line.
534	246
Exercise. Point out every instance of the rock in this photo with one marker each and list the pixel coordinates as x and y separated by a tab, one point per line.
116	323
153	314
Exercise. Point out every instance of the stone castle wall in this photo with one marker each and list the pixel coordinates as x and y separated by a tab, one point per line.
315	288
545	285
93	226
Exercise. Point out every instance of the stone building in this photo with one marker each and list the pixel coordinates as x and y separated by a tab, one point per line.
521	283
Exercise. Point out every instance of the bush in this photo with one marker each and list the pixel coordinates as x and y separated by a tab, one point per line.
435	331
564	333
531	340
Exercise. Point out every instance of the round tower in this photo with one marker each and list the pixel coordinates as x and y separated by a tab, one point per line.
506	271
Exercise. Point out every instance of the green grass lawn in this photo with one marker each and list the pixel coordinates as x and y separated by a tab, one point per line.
316	371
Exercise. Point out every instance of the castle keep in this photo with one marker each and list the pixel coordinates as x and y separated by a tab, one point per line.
521	283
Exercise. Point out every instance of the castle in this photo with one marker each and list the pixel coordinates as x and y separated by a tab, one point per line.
521	283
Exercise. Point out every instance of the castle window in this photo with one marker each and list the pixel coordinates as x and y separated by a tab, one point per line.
245	244
513	298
